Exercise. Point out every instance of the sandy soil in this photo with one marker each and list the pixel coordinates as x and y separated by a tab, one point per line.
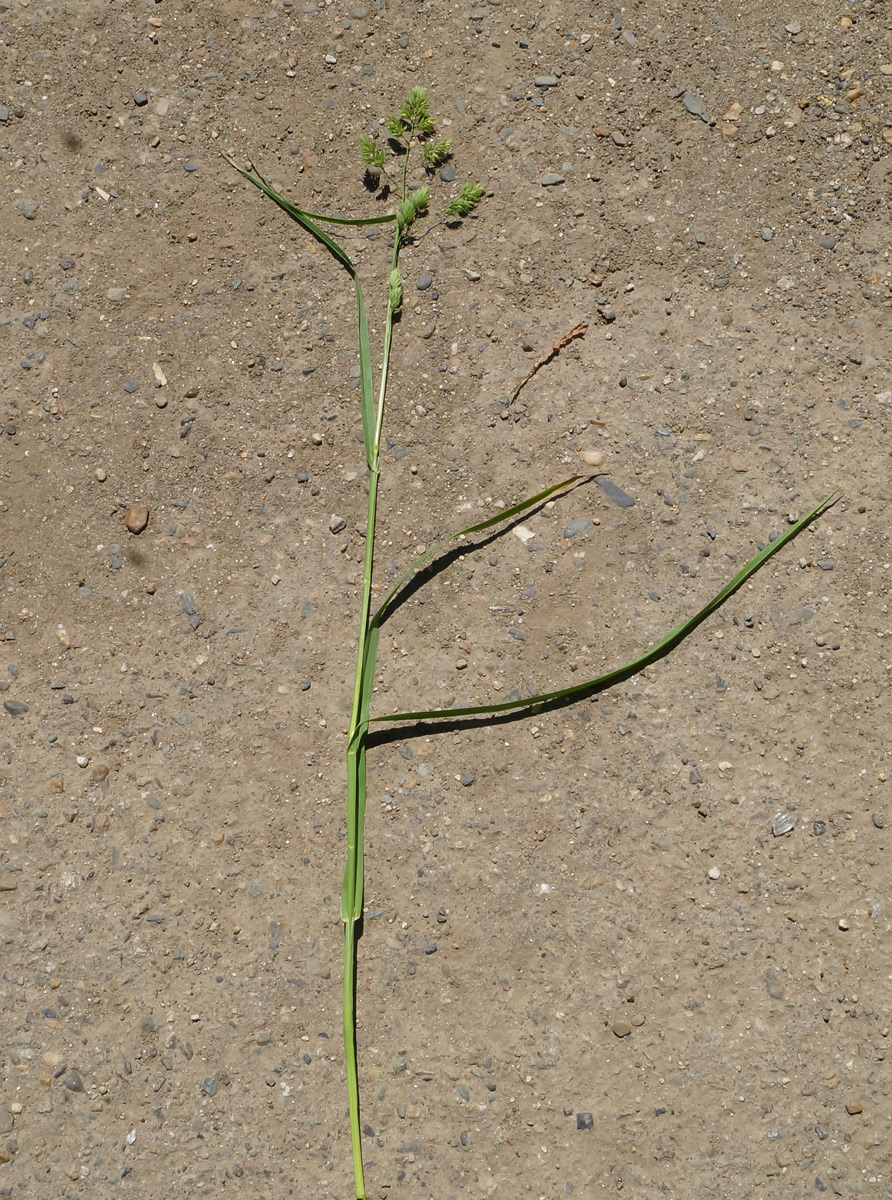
590	965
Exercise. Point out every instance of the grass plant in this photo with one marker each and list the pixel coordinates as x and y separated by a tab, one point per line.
411	144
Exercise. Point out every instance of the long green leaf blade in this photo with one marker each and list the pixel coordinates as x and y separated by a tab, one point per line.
663	646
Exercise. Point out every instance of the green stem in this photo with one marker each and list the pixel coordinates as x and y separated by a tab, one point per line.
352	890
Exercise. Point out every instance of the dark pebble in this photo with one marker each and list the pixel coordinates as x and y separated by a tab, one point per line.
15	708
209	1087
447	174
828	243
302	477
140	99
424	283
188	604
616	493
624	382
337	524
585	1121
191	166
431	949
4	114
467	779
130	386
879	820
463	1137
819	828
826	564
73	1082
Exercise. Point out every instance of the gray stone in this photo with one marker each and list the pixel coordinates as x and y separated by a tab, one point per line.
337	524
447	173
424	282
130	386
188	604
4	113
828	242
765	234
28	209
15	708
551	179
773	984
546	81
576	527
614	491
694	105
140	99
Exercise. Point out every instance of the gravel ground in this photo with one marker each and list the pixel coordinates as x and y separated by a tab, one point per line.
638	945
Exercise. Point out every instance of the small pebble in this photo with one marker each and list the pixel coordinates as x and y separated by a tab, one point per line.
15	708
82	760
101	474
714	873
551	179
576	527
137	518
843	924
879	820
130	386
188	605
546	81
622	1028
593	458
854	1108
828	242
424	282
140	99
616	493
447	173
765	234
336	524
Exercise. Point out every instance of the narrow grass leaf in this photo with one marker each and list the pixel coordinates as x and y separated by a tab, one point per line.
504	514
668	642
367	396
